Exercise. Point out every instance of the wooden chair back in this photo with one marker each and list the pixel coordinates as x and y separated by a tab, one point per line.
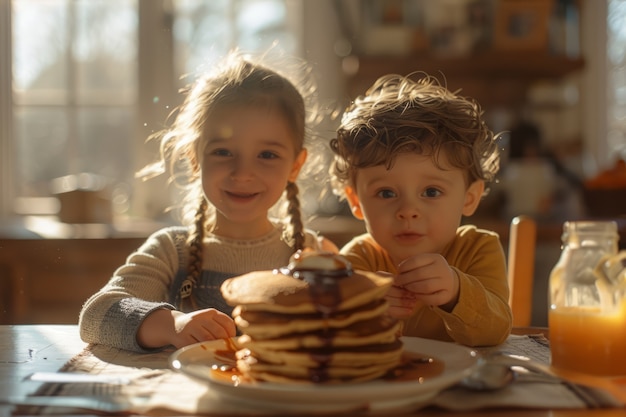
521	268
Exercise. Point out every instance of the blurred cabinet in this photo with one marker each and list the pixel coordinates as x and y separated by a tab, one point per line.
492	78
48	280
492	50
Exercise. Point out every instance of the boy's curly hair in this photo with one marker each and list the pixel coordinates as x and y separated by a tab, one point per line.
402	114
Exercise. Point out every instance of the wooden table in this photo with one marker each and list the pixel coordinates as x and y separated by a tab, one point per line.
28	348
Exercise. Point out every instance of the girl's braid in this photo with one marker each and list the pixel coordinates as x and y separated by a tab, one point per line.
295	216
194	268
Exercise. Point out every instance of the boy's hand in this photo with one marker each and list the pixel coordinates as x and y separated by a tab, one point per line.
402	303
427	278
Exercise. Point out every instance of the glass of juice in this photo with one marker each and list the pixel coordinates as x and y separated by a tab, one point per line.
587	315
588	340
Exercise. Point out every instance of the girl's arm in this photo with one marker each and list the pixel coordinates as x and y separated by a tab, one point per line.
114	314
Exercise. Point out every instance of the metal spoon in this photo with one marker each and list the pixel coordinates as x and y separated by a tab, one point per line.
489	376
497	371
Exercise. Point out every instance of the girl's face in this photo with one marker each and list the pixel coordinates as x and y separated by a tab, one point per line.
414	207
249	156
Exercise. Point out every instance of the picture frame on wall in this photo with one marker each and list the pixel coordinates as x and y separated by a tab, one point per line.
386	28
522	25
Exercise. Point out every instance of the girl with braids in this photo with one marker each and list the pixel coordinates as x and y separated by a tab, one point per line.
239	140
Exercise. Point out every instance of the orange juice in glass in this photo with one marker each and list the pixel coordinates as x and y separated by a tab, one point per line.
588	340
587	317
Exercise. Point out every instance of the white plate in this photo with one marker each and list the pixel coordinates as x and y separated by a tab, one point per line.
459	361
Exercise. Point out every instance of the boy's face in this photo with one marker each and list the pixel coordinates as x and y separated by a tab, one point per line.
414	207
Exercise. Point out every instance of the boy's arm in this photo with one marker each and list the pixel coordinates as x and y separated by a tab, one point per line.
365	254
482	315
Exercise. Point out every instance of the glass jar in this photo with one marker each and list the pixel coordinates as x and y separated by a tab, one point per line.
587	315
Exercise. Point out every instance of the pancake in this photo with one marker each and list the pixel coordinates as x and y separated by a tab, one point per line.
322	365
282	292
266	325
344	356
314	321
330	375
381	329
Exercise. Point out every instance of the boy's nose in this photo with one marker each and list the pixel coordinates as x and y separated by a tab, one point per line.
407	212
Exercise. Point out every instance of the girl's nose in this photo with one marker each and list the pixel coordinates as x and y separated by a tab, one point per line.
240	170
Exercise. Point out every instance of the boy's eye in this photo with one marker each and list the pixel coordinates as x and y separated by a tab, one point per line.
432	192
268	155
386	194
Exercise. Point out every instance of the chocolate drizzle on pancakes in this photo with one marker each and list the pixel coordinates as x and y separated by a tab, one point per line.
315	320
322	273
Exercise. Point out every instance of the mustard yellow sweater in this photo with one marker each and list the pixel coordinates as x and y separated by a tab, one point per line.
482	316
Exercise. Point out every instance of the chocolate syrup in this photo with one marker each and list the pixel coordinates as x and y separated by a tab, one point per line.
326	297
323	283
415	367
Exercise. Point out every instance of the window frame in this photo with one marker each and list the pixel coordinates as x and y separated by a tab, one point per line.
6	113
158	79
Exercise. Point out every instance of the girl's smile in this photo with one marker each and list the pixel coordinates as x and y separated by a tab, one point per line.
240	197
249	157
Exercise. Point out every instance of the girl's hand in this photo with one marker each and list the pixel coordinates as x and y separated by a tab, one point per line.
427	278
201	325
170	327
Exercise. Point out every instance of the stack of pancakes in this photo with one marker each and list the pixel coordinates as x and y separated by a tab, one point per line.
316	320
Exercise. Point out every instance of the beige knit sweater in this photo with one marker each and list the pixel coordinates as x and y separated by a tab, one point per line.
152	275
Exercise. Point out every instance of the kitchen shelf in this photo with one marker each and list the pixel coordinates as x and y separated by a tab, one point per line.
490	77
506	65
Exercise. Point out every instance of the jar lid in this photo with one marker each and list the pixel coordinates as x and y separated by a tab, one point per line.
590	227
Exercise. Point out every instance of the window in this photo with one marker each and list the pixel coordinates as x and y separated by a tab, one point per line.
616	79
205	30
74	90
88	84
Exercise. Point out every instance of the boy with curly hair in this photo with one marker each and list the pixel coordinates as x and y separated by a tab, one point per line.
413	158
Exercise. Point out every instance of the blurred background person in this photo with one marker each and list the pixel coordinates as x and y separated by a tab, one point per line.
534	181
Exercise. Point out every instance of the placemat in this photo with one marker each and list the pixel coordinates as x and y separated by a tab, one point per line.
157	390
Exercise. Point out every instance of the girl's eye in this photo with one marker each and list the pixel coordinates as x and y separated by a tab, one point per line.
386	194
432	192
220	152
268	155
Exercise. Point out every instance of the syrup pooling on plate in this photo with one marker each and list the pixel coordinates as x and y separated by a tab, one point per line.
225	367
415	367
227	355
